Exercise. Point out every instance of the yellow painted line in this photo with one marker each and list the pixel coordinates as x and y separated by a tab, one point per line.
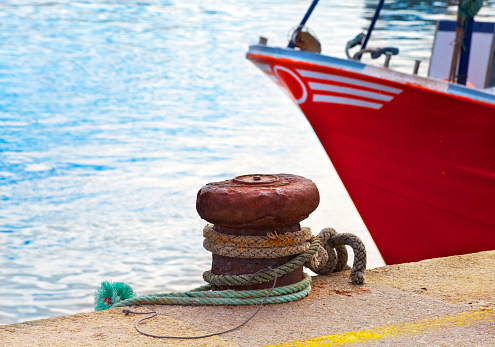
422	326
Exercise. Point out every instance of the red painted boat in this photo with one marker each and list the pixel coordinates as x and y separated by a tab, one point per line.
416	155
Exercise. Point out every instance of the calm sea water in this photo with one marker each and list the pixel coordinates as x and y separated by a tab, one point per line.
114	114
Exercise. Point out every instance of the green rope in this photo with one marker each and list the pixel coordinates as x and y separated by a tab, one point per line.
317	258
120	294
263	276
203	296
468	9
109	293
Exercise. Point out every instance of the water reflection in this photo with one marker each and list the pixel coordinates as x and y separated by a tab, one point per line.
114	114
410	25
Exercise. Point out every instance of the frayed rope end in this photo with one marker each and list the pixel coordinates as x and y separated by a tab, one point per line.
110	293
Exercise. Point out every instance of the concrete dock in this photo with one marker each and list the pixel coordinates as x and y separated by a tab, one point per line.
437	302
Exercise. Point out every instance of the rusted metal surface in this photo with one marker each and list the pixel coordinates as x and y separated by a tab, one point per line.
270	201
239	266
256	205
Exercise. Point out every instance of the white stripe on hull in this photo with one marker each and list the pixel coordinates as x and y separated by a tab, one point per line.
346	101
349	91
347	80
381	93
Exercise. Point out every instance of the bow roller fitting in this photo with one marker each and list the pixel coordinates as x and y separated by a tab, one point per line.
255	225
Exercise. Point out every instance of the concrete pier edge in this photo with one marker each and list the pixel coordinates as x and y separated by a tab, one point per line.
436	302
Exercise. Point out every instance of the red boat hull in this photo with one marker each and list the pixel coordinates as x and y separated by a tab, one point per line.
416	156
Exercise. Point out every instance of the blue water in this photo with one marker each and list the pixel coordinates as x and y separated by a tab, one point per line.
114	114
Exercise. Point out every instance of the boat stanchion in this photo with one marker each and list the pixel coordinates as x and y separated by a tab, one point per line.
416	66
387	60
255	224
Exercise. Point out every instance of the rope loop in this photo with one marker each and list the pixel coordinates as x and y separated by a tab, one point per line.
272	239
205	296
255	252
263	276
326	254
273	245
333	244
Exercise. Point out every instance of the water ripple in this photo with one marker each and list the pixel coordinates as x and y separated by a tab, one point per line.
113	115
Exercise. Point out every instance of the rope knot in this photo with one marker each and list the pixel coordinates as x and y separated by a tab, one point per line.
332	255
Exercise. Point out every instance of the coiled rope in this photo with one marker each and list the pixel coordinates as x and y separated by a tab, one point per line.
324	254
154	313
272	239
203	296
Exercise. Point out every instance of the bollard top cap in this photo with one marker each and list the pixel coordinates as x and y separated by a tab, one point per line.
257	179
258	201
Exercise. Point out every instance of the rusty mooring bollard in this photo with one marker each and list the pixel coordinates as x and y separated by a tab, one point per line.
257	205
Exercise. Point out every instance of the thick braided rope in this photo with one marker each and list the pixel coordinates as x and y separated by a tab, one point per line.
270	246
254	252
272	239
331	240
326	254
263	276
330	258
202	296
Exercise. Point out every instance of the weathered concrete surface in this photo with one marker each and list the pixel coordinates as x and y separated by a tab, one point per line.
439	302
110	328
462	279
